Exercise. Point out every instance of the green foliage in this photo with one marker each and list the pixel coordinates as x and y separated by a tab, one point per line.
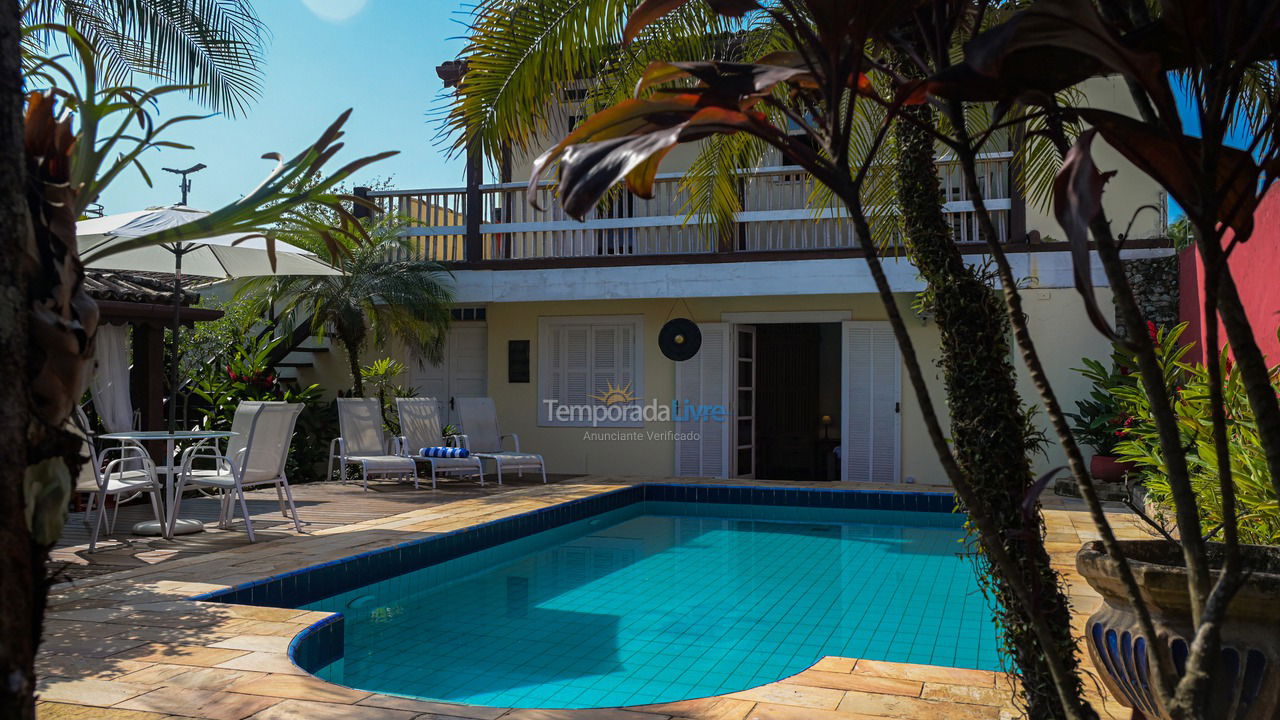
247	376
1182	233
1188	385
380	376
1099	421
375	297
213	342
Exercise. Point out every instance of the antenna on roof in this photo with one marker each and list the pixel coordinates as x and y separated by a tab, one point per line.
185	184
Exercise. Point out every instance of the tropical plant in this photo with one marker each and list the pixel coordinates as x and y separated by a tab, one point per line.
1099	421
376	296
380	375
211	342
1188	383
55	160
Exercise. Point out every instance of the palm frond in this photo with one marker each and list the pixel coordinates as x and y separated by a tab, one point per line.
524	55
214	46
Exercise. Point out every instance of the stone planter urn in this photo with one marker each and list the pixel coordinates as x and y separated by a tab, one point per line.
1246	680
1105	468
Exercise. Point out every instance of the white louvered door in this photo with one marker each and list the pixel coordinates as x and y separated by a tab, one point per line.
870	425
703	380
462	373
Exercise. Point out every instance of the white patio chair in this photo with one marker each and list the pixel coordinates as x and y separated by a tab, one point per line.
420	428
260	461
129	470
209	451
481	437
364	443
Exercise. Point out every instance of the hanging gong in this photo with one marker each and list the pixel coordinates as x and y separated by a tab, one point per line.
680	339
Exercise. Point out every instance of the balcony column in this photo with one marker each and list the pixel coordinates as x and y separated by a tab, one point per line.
451	74
474	250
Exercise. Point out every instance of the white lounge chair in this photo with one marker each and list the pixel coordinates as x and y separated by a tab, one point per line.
481	437
420	428
363	443
260	461
128	470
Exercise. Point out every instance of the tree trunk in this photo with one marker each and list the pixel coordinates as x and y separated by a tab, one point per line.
21	561
986	420
353	362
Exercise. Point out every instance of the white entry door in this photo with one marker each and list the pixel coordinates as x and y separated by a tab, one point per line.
702	383
744	401
462	373
870	420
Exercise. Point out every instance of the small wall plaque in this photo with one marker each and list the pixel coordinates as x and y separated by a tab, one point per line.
518	361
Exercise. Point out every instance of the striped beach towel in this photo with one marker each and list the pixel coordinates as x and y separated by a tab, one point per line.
445	452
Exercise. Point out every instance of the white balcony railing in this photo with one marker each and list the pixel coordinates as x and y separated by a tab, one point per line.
777	214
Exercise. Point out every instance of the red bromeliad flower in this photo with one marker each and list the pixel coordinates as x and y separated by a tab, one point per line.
1151	330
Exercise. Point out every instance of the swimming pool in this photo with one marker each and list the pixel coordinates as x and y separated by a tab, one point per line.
656	600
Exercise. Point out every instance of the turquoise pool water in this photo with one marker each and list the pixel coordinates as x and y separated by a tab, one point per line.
663	601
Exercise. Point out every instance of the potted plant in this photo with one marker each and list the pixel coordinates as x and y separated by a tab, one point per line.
1100	423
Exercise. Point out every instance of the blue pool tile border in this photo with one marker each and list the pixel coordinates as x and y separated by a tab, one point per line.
299	587
322	643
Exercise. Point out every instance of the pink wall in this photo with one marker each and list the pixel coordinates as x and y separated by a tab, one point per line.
1255	265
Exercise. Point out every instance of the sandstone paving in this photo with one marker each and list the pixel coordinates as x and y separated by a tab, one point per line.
129	646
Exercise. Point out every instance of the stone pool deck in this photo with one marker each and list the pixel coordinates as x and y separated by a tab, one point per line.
128	646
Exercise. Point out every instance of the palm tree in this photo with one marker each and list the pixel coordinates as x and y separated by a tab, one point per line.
375	298
524	53
216	46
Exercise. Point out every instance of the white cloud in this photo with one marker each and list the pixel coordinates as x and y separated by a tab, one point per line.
335	11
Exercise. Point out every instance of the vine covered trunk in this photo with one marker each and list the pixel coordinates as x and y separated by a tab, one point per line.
987	422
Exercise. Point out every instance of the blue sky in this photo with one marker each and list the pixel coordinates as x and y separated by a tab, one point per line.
324	56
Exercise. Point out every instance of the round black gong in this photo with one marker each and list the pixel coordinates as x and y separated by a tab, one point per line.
680	339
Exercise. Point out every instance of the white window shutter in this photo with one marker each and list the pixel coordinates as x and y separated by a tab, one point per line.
870	420
580	358
704	380
577	365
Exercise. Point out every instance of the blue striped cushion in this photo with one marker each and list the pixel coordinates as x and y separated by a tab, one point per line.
445	452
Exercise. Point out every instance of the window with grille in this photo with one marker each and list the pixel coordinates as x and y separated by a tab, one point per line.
590	362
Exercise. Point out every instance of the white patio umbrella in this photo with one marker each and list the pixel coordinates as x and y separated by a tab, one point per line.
223	256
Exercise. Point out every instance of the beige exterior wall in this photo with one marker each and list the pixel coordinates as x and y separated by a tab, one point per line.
1058	325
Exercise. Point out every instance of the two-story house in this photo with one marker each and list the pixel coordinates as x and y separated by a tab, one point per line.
798	375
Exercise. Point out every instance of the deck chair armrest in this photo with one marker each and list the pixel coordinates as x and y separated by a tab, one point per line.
208	452
514	439
456	441
223	462
125	450
400	445
118	465
342	447
198	447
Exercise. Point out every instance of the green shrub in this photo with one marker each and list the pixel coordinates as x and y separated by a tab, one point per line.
1188	384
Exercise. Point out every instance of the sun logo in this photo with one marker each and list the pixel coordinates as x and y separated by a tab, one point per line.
614	395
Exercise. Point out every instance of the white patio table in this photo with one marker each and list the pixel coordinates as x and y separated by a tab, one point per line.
180	526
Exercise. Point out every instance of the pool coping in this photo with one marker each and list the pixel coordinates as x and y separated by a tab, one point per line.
220	641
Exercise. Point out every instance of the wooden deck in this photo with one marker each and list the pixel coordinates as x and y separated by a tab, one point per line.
320	506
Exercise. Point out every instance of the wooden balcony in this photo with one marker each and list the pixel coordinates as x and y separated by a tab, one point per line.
781	216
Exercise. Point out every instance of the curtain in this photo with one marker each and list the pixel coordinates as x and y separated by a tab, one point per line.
110	386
